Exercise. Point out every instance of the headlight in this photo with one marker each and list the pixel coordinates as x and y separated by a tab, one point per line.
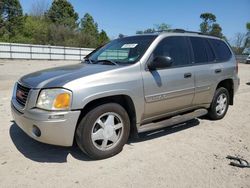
54	99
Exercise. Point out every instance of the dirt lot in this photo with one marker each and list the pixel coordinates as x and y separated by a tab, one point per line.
192	155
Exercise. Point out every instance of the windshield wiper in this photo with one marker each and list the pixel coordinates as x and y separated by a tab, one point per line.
89	60
106	61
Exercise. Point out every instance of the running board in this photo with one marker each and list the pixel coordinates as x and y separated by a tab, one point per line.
173	120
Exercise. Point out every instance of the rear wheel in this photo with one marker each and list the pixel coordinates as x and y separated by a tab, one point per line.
220	103
104	131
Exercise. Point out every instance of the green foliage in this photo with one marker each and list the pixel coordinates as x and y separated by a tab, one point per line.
88	25
57	26
11	19
208	20
216	30
61	35
62	13
160	27
86	39
35	30
103	38
248	26
209	25
120	36
247	41
89	32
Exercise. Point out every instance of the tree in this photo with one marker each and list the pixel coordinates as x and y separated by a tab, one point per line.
35	30
120	36
88	25
247	41
216	30
11	18
137	32
248	26
157	27
62	35
208	20
242	41
149	30
62	13
103	38
162	27
209	25
39	8
239	40
57	26
89	31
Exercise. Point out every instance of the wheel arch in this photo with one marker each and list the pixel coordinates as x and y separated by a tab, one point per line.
229	85
122	99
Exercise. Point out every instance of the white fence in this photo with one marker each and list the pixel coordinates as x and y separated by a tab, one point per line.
28	51
39	52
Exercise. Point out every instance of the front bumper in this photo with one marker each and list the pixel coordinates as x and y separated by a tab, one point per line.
57	128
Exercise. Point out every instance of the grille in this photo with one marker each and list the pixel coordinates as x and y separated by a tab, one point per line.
22	94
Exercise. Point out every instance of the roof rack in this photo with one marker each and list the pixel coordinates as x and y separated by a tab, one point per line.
181	31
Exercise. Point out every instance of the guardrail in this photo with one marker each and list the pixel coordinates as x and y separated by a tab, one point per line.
46	52
40	52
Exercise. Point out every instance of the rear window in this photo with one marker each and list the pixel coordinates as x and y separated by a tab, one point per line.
221	50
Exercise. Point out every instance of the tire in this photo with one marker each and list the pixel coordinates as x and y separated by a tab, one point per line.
219	105
103	131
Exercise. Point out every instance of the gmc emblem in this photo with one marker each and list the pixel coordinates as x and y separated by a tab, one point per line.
20	94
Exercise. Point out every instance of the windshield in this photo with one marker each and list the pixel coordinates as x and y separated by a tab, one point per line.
126	50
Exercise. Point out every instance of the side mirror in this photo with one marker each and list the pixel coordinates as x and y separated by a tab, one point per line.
160	62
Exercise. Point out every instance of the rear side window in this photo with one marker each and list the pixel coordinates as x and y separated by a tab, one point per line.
221	50
202	50
176	48
210	54
199	49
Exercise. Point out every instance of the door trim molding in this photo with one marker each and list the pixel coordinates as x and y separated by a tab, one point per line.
169	95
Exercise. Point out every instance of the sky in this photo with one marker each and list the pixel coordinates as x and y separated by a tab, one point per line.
129	16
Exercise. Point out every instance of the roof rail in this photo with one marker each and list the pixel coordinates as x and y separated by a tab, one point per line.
181	31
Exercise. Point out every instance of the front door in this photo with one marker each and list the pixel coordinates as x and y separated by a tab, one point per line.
170	89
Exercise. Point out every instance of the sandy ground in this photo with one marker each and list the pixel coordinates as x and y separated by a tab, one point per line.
192	155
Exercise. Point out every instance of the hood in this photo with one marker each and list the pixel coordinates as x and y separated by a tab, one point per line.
57	77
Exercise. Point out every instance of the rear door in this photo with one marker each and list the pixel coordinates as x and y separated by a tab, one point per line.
209	56
169	89
206	70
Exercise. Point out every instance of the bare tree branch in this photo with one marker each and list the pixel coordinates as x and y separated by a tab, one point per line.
239	40
39	7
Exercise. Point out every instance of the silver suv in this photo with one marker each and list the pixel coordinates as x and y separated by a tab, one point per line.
129	86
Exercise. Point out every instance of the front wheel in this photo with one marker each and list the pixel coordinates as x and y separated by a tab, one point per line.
103	131
219	105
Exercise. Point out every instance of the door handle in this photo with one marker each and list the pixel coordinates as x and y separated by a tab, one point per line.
187	75
218	71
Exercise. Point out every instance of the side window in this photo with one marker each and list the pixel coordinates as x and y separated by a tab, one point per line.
175	47
221	50
199	49
210	53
